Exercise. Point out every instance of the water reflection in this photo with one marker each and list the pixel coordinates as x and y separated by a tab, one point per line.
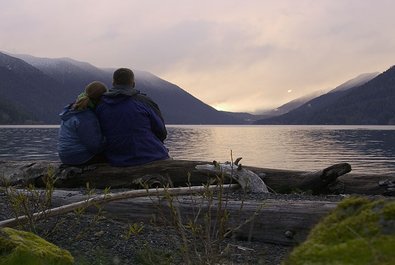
369	149
366	147
25	143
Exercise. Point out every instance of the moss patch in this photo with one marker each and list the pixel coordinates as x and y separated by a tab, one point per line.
20	247
359	231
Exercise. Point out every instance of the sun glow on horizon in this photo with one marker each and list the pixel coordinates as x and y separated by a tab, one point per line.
221	107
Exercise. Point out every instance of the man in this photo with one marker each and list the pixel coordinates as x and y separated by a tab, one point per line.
132	123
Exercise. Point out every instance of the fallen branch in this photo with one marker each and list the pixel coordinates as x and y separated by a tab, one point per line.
105	198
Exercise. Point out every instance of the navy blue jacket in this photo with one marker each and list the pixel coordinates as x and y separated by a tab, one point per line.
80	137
133	127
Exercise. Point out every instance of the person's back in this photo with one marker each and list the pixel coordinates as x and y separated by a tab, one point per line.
80	140
132	125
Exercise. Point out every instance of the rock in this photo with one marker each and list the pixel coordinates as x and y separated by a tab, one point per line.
20	247
359	231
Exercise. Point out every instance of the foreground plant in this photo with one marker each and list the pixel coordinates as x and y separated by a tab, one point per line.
30	201
360	231
204	228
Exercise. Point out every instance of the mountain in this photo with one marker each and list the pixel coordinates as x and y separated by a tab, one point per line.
72	75
287	107
34	90
247	118
294	104
10	114
41	87
29	91
357	81
177	105
369	103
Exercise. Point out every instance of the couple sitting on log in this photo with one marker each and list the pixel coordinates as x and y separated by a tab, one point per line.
121	126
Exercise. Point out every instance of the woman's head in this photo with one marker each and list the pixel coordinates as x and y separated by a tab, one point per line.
91	96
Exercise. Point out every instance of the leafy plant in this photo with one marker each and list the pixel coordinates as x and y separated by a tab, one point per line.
204	228
31	200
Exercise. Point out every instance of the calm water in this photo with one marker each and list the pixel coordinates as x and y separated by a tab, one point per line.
369	149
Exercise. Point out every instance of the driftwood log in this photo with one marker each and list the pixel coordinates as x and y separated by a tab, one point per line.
275	221
270	221
284	222
179	172
333	179
87	201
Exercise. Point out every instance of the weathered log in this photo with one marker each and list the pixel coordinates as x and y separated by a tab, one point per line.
271	221
108	197
285	222
179	172
364	184
275	221
248	180
316	182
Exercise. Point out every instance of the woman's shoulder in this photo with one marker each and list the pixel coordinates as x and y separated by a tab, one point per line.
86	113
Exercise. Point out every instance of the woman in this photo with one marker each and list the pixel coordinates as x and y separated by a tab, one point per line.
80	137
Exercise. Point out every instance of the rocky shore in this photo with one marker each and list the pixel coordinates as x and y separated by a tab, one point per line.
97	238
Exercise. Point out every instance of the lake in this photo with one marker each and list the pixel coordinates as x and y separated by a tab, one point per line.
369	149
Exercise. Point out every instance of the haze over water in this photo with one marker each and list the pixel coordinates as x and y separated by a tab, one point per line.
369	149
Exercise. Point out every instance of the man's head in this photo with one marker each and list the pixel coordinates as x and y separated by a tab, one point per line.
123	77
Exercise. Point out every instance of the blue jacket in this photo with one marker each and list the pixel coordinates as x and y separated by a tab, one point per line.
133	127
80	137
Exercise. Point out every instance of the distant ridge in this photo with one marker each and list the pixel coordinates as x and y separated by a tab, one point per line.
41	87
356	103
34	90
357	81
28	91
294	104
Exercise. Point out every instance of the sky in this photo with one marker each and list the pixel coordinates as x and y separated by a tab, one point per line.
235	55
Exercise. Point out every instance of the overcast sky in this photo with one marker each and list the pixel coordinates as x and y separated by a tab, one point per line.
237	55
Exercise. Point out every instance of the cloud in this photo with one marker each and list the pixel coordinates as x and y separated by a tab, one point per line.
245	55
